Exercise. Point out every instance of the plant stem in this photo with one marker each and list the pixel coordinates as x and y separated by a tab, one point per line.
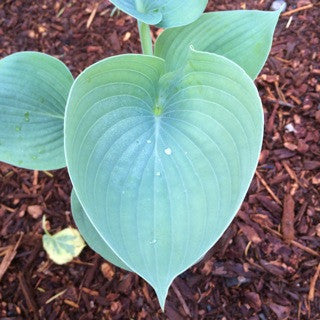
145	38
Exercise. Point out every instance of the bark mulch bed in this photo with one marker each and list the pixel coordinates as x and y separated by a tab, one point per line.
266	265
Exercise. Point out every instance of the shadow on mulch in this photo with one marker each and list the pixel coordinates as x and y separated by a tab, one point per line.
265	265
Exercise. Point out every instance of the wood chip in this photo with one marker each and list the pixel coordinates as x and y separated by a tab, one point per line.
35	178
107	270
282	312
305	248
313	284
295	243
28	295
71	303
35	211
254	300
56	296
287	222
11	252
92	15
91	292
145	290
182	301
126	36
114	40
288	13
291	173
268	188
250	233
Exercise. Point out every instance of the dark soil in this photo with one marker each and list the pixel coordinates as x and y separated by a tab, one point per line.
266	266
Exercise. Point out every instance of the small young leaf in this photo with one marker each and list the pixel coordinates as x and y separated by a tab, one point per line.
63	246
33	94
163	13
243	36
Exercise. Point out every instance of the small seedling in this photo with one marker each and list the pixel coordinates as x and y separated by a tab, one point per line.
161	147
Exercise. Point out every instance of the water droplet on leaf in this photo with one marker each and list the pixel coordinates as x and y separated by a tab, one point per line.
168	151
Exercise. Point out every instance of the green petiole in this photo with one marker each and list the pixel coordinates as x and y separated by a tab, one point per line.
145	38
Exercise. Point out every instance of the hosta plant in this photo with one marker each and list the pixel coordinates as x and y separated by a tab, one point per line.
161	146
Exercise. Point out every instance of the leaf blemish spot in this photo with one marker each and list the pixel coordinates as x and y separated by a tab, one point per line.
158	173
27	117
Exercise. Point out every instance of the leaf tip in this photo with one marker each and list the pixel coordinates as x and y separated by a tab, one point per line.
162	300
277	13
162	292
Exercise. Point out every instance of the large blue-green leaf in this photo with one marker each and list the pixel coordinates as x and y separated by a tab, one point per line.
243	36
33	93
161	162
163	13
93	238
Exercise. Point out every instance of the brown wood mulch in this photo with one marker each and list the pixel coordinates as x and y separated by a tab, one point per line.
266	265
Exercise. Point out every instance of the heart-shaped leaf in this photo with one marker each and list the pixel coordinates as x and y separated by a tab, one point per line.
33	94
163	13
161	162
93	238
63	246
243	36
